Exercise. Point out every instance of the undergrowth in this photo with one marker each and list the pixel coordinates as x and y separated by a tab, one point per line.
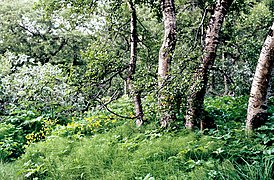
99	145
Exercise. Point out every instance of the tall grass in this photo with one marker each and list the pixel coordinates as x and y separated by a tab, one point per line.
9	171
124	153
262	170
127	152
120	150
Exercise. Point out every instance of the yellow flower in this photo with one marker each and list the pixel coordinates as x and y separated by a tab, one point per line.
96	124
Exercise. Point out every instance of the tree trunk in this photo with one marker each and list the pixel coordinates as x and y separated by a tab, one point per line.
165	57
226	87
257	104
195	104
132	65
226	91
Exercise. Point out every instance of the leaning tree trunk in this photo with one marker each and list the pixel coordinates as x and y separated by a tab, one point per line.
165	57
195	113
132	65
257	105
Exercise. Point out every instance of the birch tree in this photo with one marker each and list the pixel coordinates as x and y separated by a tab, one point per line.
132	64
257	104
195	113
165	58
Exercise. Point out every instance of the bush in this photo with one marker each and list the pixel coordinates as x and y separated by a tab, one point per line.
44	88
11	142
227	109
20	129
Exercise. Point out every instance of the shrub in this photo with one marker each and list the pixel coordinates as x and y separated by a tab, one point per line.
227	109
11	142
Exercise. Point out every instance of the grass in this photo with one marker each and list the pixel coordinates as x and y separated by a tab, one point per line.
8	171
126	152
123	151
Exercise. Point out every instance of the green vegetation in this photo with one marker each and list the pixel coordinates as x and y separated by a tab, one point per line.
67	112
102	146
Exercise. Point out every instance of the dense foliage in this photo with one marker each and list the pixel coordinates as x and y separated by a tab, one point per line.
65	112
101	146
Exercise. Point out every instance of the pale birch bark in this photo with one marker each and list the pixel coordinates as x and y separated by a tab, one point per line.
257	104
195	102
165	58
132	65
